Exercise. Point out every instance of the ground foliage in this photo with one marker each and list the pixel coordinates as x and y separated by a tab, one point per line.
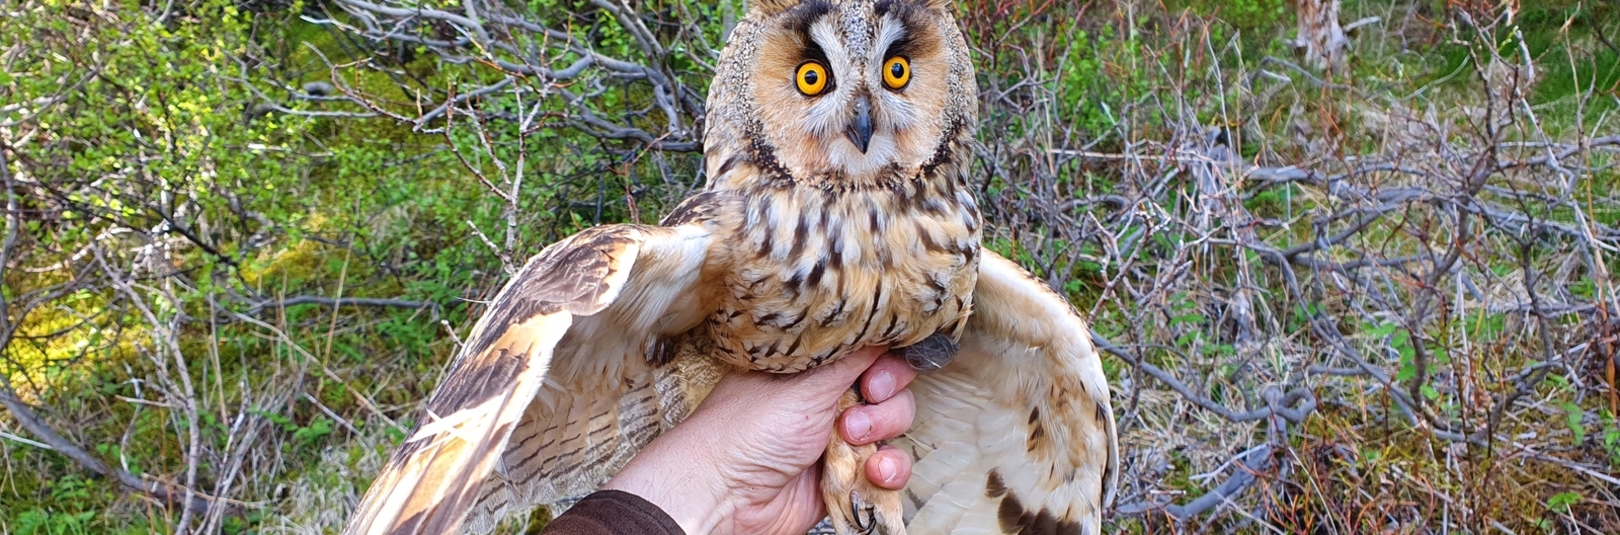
242	238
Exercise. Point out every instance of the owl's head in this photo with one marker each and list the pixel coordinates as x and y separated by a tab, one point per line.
848	90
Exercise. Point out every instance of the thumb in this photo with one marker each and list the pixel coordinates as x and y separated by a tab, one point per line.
839	376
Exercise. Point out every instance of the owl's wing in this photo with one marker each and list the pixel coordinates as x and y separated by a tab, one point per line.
1015	434
562	357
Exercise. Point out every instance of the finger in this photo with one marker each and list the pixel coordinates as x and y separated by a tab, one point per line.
839	375
865	424
888	375
889	468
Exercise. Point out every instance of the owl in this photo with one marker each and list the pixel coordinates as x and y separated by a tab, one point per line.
837	214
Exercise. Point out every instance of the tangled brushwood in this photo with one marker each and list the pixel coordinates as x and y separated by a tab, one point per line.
1350	282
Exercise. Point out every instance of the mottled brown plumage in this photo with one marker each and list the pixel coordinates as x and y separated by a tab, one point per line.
837	215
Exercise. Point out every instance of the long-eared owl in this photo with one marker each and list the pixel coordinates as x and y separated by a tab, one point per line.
837	215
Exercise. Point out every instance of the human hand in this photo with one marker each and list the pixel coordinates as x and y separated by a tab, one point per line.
746	461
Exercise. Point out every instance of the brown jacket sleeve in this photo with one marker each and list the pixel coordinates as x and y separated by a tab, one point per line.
613	512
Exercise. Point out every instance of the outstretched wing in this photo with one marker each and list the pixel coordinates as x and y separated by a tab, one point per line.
555	381
1016	434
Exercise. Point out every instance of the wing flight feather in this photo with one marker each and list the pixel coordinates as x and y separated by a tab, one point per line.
568	336
1016	434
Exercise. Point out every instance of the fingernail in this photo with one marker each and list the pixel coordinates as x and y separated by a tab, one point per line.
857	424
887	469
882	386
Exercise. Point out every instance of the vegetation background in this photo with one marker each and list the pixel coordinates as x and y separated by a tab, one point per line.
1365	295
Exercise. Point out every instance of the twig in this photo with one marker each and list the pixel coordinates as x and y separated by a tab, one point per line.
338	302
165	493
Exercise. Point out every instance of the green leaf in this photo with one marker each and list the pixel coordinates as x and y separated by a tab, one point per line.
1383	329
30	522
1429	392
1574	416
1407	372
1611	442
395	436
316	429
1187	318
1560	503
283	421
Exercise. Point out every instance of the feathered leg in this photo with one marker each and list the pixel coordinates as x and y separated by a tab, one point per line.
854	504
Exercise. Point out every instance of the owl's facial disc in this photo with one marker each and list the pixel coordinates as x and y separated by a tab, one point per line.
853	88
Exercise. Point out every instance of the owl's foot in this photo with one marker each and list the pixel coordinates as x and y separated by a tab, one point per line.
871	518
930	354
854	504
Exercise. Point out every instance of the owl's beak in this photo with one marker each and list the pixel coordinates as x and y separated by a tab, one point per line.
860	131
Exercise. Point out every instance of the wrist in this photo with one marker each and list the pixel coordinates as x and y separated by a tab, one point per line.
671	476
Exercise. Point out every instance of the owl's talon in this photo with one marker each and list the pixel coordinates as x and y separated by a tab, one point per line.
855	506
865	517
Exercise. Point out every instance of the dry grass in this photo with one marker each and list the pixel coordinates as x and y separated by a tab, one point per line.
1372	301
1421	258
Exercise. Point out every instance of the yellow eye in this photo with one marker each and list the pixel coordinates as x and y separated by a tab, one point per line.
896	72
811	78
